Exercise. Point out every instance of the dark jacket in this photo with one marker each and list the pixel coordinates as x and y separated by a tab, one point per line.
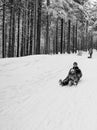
90	51
72	76
78	71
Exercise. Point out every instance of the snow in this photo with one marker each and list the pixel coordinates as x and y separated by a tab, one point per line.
32	99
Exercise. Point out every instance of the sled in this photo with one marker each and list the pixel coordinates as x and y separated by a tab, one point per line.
69	84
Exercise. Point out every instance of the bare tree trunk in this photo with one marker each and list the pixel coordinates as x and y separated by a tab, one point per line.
25	29
28	33
13	30
18	35
6	39
69	28
82	41
35	25
86	35
54	46
91	40
10	34
39	27
62	35
76	38
22	40
3	31
73	39
31	29
47	30
57	36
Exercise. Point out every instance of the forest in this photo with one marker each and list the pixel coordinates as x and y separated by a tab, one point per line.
32	27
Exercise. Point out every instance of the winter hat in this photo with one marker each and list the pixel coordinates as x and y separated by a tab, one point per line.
72	70
75	63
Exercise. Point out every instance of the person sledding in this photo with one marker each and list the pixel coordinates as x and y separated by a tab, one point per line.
73	76
77	70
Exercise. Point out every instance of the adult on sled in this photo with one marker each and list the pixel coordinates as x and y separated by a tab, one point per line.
73	76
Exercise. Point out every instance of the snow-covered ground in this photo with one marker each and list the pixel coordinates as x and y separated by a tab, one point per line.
32	99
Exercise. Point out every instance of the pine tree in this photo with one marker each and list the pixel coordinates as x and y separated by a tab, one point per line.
57	36
69	28
3	31
47	30
28	29
62	25
13	28
73	48
76	38
86	35
35	24
10	30
64	36
18	34
22	37
39	27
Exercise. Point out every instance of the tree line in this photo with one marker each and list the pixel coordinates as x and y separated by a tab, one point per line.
44	27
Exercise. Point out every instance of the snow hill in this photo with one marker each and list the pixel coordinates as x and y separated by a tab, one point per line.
32	99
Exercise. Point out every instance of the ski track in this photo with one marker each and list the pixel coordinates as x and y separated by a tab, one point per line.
37	102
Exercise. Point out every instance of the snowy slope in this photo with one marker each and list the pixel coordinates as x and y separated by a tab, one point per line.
31	99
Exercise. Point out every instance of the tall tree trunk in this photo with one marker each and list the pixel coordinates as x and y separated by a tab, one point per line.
47	30
35	24
83	39
13	30
10	31
86	35
31	29
3	31
57	36
62	35
54	45
76	39
22	40
81	44
25	29
39	27
18	35
28	33
78	46
69	28
6	39
73	49
91	40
